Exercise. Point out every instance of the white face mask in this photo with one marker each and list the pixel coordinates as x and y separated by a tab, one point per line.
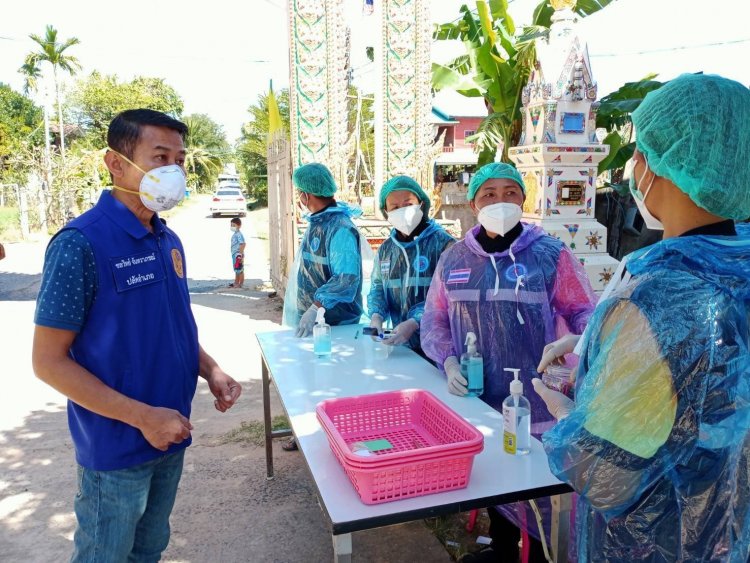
640	197
500	218
233	229
406	219
161	188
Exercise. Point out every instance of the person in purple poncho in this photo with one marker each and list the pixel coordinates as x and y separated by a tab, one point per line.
517	289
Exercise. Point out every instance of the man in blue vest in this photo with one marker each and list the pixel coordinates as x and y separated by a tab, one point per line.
115	334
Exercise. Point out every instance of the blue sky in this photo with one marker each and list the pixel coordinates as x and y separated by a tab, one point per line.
221	55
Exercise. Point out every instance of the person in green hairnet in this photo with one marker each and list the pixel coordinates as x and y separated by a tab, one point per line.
404	264
657	442
516	288
328	268
328	272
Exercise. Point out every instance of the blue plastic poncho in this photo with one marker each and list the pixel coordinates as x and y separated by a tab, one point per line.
328	268
658	445
402	274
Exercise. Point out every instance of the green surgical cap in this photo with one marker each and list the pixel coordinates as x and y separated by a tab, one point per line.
494	170
315	179
403	183
695	132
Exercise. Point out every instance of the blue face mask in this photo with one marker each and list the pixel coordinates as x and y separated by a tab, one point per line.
640	197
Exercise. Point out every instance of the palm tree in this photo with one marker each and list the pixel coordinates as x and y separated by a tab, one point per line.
32	73
53	52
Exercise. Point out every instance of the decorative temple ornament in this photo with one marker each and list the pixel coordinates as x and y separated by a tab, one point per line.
318	84
404	141
559	152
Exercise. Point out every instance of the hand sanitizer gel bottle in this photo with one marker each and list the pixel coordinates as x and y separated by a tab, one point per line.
516	418
472	366
321	335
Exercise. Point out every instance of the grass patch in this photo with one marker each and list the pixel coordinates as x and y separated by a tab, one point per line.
10	229
253	432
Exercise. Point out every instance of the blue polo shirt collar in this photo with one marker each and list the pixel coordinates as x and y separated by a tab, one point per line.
125	218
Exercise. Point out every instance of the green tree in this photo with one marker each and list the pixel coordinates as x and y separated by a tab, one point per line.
251	147
53	52
20	125
207	151
98	98
360	119
496	65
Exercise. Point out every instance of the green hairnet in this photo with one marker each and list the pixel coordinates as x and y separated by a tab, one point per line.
695	132
315	179
494	170
405	183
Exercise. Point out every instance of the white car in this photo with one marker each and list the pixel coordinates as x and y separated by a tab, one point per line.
229	200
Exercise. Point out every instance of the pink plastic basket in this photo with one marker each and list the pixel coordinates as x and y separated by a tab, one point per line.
433	448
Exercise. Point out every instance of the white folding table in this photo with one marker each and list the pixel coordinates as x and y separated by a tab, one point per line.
303	380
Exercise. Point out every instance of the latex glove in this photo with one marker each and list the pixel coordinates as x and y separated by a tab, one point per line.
457	383
558	405
555	351
376	321
402	333
306	323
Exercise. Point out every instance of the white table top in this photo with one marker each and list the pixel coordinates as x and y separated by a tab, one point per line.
303	380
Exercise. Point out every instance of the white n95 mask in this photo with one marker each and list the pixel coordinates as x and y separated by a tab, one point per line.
640	197
500	218
406	219
161	188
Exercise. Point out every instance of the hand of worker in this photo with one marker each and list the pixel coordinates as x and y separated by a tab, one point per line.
558	404
224	388
163	427
306	323
402	333
457	383
554	352
2	252
376	322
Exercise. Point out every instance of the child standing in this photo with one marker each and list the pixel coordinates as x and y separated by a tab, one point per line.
238	253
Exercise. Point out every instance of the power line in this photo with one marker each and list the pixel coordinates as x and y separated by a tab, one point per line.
671	49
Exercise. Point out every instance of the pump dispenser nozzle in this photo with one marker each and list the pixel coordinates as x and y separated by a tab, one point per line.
516	386
471	342
320	316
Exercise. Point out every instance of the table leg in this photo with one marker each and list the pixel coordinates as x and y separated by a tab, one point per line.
342	548
267	419
560	533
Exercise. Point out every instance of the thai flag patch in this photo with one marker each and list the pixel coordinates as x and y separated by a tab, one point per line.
459	276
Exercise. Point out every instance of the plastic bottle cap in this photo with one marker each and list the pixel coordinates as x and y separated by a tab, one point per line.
320	316
516	386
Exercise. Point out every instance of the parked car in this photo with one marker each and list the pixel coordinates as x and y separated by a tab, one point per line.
229	200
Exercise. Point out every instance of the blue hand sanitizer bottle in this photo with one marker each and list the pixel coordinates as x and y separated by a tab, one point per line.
321	335
472	366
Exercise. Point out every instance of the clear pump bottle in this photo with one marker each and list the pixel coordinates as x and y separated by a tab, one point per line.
321	335
516	418
472	366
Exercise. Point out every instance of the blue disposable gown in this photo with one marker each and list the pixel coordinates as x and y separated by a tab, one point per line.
401	276
658	445
328	268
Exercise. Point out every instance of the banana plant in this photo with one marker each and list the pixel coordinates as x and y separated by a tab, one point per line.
497	64
614	115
